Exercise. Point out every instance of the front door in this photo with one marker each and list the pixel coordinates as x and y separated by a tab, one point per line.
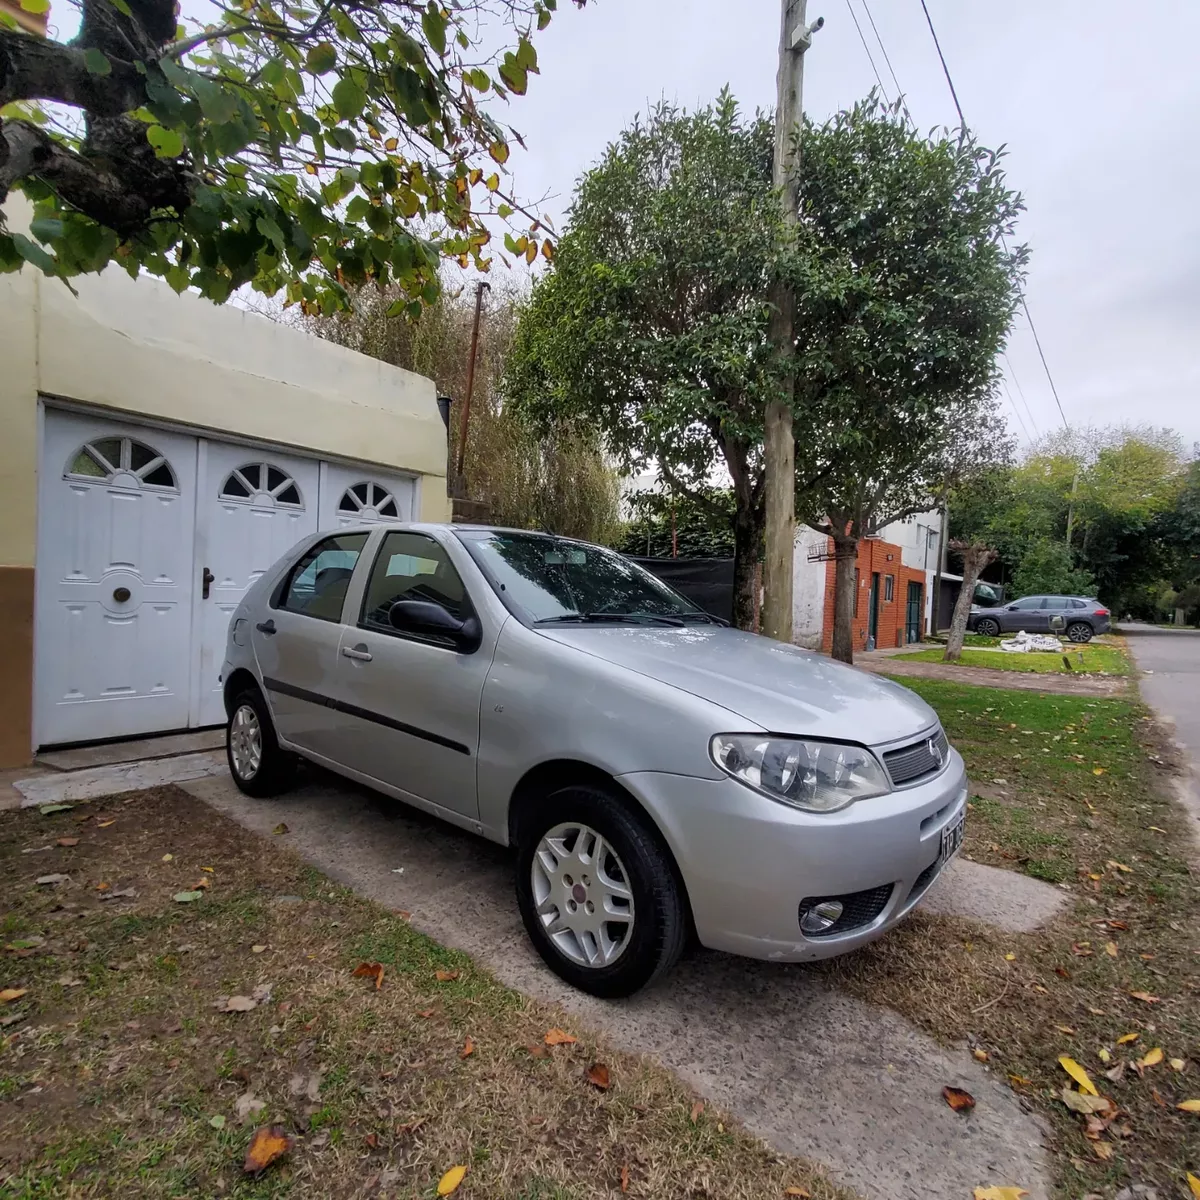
1028	616
114	568
254	505
413	702
912	615
873	611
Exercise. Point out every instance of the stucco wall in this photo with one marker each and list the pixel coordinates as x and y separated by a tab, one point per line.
808	590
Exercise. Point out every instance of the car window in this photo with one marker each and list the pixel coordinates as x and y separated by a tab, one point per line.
411	566
1030	602
318	582
1079	604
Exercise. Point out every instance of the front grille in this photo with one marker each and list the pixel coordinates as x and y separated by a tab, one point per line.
858	908
926	757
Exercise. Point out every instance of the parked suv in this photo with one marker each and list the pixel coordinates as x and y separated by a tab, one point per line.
1082	618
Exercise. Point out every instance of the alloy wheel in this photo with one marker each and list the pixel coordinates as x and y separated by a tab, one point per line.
582	895
245	742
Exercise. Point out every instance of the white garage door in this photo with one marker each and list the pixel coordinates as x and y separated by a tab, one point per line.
114	567
147	541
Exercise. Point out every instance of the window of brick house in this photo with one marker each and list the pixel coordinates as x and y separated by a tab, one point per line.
856	587
889	587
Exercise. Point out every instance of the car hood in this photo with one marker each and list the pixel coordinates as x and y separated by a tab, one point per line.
775	686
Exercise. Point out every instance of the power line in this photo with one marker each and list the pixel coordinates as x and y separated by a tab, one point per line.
1016	410
1020	291
867	48
887	59
1012	372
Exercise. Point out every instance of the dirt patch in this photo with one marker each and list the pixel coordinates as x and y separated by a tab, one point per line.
122	1076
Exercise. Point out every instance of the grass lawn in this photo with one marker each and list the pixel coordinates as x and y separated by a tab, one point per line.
1069	790
119	1077
1092	658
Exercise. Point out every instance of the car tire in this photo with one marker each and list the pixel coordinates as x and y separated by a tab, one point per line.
258	765
1079	631
651	945
987	627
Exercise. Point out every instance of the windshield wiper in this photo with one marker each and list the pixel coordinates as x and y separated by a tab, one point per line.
702	616
632	618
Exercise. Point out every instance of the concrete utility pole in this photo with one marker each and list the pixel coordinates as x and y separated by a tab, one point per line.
779	448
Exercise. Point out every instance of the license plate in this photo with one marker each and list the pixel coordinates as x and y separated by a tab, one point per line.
952	836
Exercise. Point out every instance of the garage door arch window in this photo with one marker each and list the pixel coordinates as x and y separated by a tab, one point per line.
367	502
123	461
263	486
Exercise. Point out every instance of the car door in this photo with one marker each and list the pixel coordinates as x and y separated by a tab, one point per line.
1057	606
296	642
1024	615
410	703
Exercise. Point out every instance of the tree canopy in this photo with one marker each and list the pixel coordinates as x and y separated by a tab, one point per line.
301	146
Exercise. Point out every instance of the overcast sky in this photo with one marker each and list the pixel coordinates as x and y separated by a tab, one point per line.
1097	103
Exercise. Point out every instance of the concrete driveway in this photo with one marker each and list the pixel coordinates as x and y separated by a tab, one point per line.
811	1071
1169	660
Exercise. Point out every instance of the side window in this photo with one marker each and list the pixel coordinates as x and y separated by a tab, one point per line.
1030	602
1079	604
411	566
318	582
889	587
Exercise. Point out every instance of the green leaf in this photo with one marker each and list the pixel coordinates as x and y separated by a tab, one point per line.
217	1121
271	231
543	19
167	143
321	58
178	277
122	7
348	98
218	104
527	56
410	94
433	22
96	61
33	254
186	897
514	75
47	809
37	7
478	79
46	229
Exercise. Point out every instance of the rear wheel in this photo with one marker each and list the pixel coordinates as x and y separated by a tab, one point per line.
257	763
1079	631
597	892
987	627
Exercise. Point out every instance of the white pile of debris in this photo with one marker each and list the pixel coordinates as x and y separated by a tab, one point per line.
1024	642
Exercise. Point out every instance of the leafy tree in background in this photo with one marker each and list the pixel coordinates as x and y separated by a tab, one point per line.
554	478
308	147
1047	568
652	324
905	297
698	528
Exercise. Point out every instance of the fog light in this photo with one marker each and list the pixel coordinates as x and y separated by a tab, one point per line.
820	917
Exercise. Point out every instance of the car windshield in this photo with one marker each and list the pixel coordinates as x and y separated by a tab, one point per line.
556	579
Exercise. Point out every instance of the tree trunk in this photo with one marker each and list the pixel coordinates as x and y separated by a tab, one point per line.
747	549
846	549
975	556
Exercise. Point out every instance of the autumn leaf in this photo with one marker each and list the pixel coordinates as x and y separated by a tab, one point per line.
1177	1064
1097	770
448	1184
797	1191
467	1050
10	994
267	1144
1000	1193
979	1055
1153	1058
1194	1184
1104	1055
597	1076
697	1109
1110	948
106	824
1145	997
201	884
280	828
1081	949
556	1037
1189	1106
1078	1074
1126	1038
236	1004
208	869
958	1100
445	976
1081	1102
368	970
1118	866
625	1178
1103	1150
537	1051
68	842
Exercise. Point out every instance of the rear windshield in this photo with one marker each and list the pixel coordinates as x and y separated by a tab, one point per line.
548	577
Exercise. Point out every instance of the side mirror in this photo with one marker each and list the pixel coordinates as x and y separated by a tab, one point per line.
428	617
1012	608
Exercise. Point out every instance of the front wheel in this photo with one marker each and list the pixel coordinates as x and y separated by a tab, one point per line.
597	892
257	763
1080	631
987	627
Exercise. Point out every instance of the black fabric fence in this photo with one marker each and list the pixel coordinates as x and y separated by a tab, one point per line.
706	582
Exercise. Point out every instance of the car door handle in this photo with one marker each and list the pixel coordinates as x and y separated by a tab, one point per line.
267	627
358	653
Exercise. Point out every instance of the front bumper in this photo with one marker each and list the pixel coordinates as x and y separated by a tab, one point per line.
748	861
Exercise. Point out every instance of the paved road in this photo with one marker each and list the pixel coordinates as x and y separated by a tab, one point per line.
1170	662
813	1072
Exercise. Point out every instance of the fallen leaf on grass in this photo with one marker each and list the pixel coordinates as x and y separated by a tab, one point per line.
1103	1150
53	880
979	1055
625	1178
797	1191
8	995
1152	1059
1117	924
1020	1081
280	828
597	1076
1177	1064
1119	866
201	884
208	869
1194	1184
217	1121
1097	770
47	809
1000	1193
1126	1038
697	1109
445	976
1078	1074
67	842
368	970
556	1037
186	897
67	981
119	894
106	824
1081	949
371	1141
235	1004
1189	1106
1064	1029
1110	948
168	857
1081	1102
267	1144
1145	997
257	948
1062	972
1104	1055
958	1100
103	887
448	1184
467	1050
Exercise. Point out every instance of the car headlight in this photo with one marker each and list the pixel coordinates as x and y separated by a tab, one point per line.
814	776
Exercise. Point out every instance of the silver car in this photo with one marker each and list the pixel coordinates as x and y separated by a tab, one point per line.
660	775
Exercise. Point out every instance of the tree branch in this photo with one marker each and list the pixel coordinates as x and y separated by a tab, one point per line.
33	68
